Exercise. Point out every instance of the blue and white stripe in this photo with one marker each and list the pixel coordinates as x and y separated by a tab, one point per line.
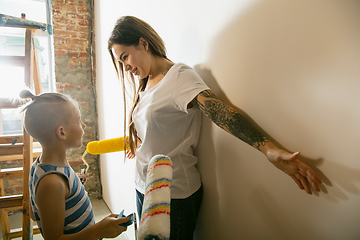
78	210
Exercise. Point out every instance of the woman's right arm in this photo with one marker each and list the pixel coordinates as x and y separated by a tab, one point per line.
236	124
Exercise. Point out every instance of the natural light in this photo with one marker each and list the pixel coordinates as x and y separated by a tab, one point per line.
12	43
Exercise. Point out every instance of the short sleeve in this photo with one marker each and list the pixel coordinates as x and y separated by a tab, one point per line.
188	85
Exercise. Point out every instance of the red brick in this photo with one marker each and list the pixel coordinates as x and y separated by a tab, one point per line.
76	163
83	16
85	29
83	54
82	10
71	2
82	48
74	60
56	6
69	47
56	12
75	41
59	26
70	21
73	28
83	35
60	33
73	15
82	4
74	54
59	40
83	23
69	34
60	20
68	8
86	17
60	53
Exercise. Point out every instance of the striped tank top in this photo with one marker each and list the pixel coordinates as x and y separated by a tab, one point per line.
78	210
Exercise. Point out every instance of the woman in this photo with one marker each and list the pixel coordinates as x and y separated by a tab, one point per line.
165	119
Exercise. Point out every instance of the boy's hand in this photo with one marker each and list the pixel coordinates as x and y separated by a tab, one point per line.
110	227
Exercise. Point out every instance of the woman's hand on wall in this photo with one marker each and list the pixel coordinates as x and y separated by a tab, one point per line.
289	163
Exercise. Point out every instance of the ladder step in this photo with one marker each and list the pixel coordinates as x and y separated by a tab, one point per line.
36	153
11	173
18	233
11	201
6	149
11	138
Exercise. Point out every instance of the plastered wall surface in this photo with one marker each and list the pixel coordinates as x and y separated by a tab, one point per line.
290	66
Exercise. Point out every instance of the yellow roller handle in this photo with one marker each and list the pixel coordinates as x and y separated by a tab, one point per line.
107	146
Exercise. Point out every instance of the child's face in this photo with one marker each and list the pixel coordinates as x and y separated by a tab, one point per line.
75	128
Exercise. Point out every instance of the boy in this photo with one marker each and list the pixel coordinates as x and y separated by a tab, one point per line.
59	202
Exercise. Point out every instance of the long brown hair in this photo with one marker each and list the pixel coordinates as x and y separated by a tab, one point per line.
127	31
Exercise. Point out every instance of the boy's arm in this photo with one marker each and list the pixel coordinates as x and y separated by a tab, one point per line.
236	124
50	197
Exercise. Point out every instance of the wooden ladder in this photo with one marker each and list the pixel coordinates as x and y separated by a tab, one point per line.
21	148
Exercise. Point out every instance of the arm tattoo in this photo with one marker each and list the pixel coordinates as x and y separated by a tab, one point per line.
230	120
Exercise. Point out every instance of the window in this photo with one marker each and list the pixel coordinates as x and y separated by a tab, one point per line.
12	43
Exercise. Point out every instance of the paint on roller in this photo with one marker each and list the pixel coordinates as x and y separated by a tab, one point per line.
157	209
157	184
108	146
159	162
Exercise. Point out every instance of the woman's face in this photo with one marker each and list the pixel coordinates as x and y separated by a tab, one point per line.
136	59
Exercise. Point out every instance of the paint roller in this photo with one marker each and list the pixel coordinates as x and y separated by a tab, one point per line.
108	146
155	219
104	146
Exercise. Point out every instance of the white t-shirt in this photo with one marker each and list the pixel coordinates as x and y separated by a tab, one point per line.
166	126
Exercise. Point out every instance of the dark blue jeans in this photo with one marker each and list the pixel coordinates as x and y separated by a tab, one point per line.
183	214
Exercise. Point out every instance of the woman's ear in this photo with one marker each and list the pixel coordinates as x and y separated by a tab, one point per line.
60	133
144	43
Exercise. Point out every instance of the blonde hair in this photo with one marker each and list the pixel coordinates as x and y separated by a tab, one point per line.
127	31
44	113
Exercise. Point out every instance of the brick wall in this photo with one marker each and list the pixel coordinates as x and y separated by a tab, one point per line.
75	75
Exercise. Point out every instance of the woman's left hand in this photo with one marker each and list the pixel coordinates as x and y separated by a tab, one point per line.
289	163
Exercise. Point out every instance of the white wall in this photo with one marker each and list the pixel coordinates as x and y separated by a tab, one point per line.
116	175
293	67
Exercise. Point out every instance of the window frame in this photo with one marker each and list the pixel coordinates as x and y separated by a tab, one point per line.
50	57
